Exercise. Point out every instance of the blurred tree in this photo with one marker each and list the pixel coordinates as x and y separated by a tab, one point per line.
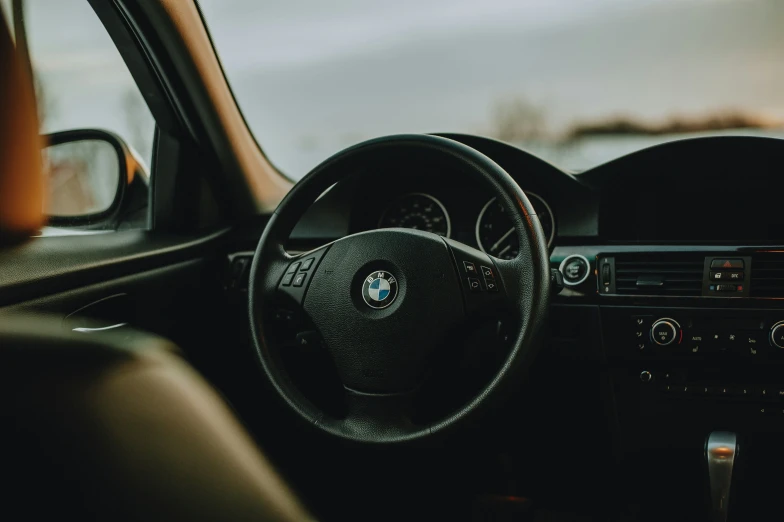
517	120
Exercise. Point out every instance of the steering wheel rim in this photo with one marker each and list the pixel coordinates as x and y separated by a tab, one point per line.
524	281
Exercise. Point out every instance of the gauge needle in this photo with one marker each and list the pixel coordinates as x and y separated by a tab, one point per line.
498	243
504	251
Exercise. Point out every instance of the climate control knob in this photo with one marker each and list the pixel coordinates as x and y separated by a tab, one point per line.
665	331
777	335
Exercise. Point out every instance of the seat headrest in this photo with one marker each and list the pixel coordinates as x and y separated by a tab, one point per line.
21	178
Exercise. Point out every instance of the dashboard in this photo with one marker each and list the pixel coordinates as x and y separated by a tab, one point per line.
684	239
704	191
672	319
450	203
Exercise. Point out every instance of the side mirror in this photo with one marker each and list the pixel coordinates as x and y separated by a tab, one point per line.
94	181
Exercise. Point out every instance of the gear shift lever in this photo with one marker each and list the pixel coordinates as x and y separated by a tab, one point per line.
721	448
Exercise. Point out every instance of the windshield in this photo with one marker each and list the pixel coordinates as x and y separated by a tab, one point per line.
576	82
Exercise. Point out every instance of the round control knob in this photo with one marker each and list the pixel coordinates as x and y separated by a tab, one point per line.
575	269
665	331
777	335
646	376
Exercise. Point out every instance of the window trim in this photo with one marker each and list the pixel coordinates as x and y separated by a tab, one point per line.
279	171
174	35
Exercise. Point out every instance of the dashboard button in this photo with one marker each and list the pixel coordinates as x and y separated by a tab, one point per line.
575	269
727	288
731	339
641	321
699	389
470	268
299	280
294	267
491	285
726	276
307	264
753	342
726	264
287	279
742	391
487	272
473	284
640	326
695	342
723	391
606	274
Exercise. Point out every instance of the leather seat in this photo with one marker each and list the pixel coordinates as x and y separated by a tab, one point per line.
106	428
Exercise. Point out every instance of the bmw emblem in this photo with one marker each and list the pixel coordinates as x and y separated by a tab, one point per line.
379	289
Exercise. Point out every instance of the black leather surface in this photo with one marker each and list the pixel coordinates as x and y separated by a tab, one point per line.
525	278
385	350
47	265
114	427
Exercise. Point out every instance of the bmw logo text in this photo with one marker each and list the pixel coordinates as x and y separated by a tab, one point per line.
379	289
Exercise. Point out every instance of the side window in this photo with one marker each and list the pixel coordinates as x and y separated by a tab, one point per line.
99	130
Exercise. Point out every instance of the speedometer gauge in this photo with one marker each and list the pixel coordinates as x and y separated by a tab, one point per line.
496	235
417	211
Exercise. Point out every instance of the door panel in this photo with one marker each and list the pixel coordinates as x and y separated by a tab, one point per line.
45	266
170	286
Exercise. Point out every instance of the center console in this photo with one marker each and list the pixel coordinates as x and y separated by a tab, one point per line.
706	366
690	341
693	341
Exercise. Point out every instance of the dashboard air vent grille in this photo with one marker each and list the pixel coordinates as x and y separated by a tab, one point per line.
659	274
767	275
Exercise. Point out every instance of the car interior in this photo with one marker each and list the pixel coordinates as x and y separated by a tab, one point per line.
441	326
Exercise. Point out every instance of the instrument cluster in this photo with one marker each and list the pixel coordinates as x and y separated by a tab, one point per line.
493	232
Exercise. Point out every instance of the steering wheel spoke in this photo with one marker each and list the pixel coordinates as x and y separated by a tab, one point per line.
369	416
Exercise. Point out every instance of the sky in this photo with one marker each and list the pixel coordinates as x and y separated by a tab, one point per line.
315	76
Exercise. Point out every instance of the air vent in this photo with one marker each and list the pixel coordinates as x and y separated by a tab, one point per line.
659	274
767	275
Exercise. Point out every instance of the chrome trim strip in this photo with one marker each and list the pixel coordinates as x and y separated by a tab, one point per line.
94	330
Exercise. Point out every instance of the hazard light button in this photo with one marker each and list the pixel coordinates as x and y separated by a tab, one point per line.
726	264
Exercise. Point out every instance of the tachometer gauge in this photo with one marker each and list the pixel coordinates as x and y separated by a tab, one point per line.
417	211
494	231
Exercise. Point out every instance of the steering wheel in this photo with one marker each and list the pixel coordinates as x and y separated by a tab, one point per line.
382	300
